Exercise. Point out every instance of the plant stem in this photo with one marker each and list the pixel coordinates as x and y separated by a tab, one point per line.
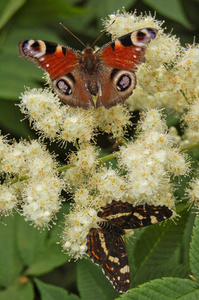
190	147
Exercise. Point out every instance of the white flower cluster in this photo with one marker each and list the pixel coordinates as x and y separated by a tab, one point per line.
82	164
143	168
113	121
149	162
187	71
193	192
78	222
191	122
56	121
66	124
31	180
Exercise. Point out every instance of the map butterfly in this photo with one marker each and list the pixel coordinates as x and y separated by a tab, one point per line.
105	245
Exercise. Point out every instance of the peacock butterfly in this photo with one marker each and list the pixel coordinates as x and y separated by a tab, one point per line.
85	79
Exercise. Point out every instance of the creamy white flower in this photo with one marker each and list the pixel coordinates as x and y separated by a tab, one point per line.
191	122
143	168
8	199
109	184
113	120
150	160
193	192
78	223
41	200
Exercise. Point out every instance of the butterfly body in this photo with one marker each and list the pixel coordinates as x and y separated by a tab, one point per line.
110	227
85	79
105	245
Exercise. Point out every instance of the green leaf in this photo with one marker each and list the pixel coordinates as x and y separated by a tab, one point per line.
185	246
9	111
155	248
12	6
92	284
30	241
103	8
47	11
11	264
163	270
50	258
130	246
57	230
165	289
194	250
18	292
2	5
172	120
171	9
51	292
16	71
51	255
192	7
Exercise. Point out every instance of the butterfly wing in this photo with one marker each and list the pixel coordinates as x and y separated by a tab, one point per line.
145	215
119	60
127	216
96	245
127	51
55	59
62	64
108	250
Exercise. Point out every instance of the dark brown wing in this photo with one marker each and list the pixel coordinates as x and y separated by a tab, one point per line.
127	216
108	250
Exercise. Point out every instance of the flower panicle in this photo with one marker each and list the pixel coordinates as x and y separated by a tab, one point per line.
37	187
142	170
143	175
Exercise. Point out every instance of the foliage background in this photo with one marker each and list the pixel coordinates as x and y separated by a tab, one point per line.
32	265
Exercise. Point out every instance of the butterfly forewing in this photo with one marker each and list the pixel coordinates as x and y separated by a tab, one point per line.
127	51
127	216
56	59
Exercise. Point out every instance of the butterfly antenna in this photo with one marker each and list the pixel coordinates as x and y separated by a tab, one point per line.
105	30
72	34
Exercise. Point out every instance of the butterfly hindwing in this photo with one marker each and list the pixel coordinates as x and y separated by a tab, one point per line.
118	61
107	248
96	244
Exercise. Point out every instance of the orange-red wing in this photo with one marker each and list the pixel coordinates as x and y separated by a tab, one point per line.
127	51
57	60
